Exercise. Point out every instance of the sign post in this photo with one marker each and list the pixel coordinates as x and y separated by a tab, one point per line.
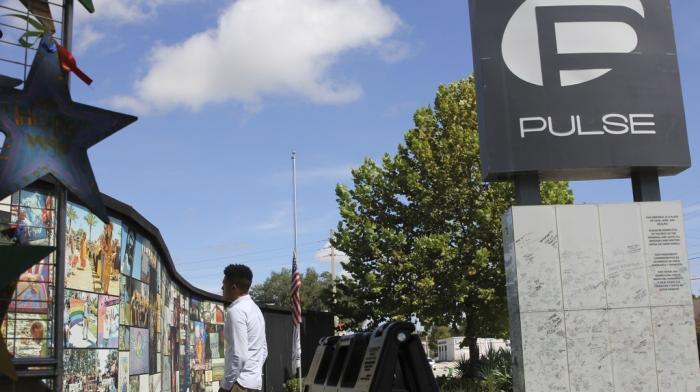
578	89
598	295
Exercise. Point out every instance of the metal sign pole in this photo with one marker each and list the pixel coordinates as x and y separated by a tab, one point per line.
62	198
645	185
527	189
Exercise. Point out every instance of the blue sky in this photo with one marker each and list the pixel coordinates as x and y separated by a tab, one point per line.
225	90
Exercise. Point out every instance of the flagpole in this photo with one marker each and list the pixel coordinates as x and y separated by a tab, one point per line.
297	332
294	207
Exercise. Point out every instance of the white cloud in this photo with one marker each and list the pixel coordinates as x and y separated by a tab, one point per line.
262	47
277	220
324	255
89	28
327	254
121	11
88	37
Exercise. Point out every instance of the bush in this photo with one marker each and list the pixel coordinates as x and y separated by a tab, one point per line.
452	384
292	385
492	371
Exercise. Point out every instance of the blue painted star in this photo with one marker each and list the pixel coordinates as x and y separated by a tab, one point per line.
47	133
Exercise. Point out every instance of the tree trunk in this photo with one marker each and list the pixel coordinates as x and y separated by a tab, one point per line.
471	337
473	347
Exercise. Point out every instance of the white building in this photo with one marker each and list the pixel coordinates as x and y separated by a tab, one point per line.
449	350
426	348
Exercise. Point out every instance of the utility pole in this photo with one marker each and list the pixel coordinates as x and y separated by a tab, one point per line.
332	263
330	237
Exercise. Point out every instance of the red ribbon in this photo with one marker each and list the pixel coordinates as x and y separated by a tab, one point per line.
69	64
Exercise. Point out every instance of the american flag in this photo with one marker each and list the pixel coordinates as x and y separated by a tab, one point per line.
296	298
296	318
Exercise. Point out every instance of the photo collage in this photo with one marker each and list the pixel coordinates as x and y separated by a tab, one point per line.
28	217
127	326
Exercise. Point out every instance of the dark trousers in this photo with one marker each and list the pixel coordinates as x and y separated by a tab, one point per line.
238	388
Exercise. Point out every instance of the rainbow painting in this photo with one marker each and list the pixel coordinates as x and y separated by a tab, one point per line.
76	311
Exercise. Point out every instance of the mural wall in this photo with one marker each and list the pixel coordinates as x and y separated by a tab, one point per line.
29	216
124	325
127	326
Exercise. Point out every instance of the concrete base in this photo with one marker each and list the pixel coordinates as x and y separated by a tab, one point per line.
599	299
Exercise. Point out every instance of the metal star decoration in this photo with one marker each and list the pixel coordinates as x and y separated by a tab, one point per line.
8	82
47	133
7	369
24	385
15	259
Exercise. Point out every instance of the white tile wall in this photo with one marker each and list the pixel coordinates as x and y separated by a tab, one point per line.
599	299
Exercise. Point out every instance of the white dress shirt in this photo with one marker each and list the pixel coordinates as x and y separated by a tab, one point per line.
246	350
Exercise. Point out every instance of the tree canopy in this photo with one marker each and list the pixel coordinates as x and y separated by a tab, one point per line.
422	230
275	289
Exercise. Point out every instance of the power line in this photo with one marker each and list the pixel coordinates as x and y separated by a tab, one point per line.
203	274
267	260
262	262
243	254
275	264
247	256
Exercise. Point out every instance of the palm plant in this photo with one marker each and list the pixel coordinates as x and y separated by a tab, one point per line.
492	370
35	30
90	219
71	214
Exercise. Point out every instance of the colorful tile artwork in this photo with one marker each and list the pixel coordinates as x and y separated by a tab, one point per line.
28	217
128	326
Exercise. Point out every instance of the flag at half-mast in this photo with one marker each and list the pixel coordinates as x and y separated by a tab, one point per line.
295	293
296	316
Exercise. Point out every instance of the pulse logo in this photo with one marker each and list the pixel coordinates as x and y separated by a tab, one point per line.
541	34
577	89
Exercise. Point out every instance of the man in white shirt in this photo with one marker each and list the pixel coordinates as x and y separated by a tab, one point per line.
244	330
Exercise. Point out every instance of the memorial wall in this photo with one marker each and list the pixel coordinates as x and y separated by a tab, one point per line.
599	298
30	321
127	325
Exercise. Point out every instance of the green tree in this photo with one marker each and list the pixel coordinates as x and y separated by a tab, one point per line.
90	219
72	215
80	362
275	289
436	333
423	230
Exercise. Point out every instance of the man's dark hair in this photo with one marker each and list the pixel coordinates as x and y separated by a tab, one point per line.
239	274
